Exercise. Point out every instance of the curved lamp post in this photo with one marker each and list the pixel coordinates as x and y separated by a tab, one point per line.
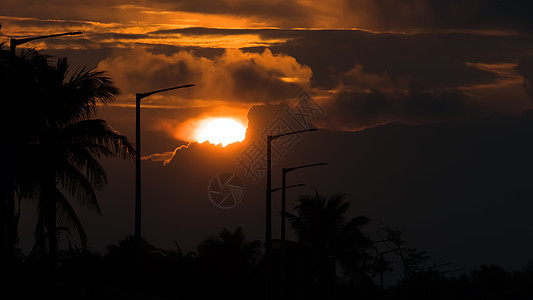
268	229
15	42
138	98
284	172
10	220
287	187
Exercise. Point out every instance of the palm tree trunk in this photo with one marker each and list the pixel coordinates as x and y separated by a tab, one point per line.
333	280
51	228
49	211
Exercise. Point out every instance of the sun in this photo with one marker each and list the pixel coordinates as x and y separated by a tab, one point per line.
222	131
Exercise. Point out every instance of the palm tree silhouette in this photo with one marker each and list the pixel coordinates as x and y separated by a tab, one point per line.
231	247
19	73
227	262
58	141
324	229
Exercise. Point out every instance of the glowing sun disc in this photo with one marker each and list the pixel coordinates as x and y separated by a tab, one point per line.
222	131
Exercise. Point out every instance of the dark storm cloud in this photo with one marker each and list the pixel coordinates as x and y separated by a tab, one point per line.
432	60
257	84
367	78
437	60
374	78
429	15
380	15
359	110
414	78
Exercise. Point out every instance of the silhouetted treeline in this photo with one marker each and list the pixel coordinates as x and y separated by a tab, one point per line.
227	267
332	259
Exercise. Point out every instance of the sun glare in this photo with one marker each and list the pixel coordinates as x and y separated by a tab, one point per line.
222	131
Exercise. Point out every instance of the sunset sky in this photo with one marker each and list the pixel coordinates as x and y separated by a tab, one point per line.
366	64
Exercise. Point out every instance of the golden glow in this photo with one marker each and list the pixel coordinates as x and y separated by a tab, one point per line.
222	131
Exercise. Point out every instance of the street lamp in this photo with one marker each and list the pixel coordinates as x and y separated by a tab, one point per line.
138	98
381	270
450	271
364	262
287	187
438	266
268	229
284	172
13	43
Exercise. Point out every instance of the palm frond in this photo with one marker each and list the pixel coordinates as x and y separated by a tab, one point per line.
67	214
78	186
39	234
88	85
96	131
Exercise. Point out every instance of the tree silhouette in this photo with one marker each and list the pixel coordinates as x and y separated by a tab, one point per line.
58	141
230	248
323	227
227	261
412	258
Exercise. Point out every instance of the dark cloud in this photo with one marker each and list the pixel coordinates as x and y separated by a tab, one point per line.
375	78
430	15
365	78
380	15
254	83
359	110
366	99
415	78
432	60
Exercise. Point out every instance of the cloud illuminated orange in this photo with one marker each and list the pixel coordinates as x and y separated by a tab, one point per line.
234	78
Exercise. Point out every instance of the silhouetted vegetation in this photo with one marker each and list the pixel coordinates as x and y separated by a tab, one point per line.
330	239
334	258
58	140
226	266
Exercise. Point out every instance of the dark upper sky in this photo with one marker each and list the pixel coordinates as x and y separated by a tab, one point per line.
365	63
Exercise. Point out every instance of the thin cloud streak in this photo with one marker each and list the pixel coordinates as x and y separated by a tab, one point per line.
166	157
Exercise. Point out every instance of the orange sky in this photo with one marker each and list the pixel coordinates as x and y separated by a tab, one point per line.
365	63
240	54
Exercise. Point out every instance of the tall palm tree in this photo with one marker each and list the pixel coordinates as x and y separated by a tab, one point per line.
324	229
59	142
18	75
